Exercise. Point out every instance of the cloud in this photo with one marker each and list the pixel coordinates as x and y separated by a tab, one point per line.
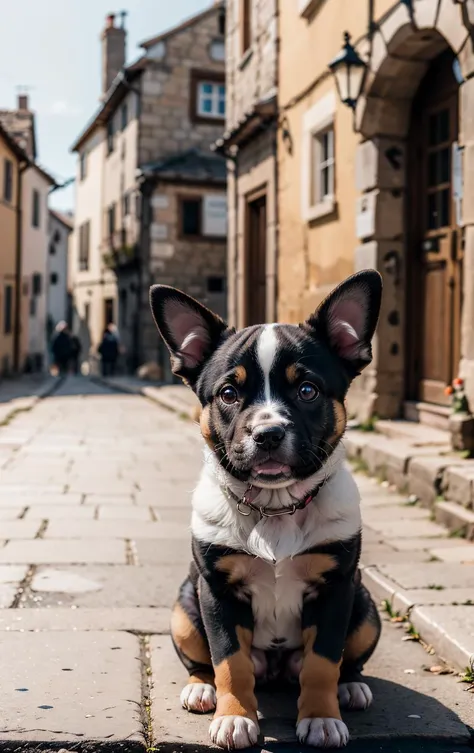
65	109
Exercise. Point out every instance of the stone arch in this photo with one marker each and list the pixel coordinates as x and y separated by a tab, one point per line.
400	53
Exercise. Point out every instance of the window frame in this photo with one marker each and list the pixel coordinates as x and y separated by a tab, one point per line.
110	136
201	76
54	281
111	219
82	165
36	209
8	180
124	112
317	122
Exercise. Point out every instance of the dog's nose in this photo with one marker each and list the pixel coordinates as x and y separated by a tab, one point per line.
268	437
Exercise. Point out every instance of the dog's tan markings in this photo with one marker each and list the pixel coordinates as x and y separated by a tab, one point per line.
240	375
312	567
239	567
361	640
319	679
339	422
235	681
292	373
187	638
205	424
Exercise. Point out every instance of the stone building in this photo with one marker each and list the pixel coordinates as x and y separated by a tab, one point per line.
388	186
162	111
59	231
249	143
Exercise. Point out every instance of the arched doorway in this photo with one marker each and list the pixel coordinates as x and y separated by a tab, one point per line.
433	251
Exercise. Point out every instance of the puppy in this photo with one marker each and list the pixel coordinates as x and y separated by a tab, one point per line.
274	588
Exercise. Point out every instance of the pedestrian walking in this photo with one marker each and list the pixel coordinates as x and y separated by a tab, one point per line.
109	351
76	349
61	348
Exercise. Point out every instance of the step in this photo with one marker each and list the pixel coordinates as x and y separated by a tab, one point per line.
413	433
429	414
456	518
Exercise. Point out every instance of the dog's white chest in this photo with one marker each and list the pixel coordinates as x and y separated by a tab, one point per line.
277	600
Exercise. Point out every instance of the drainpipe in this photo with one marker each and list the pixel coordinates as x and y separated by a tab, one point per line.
18	265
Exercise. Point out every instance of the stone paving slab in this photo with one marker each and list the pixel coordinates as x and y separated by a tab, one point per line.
123	512
399	698
113	529
415	528
443	574
106	586
445	596
463	555
439	542
68	551
137	620
61	512
164	552
19	529
50	694
112	499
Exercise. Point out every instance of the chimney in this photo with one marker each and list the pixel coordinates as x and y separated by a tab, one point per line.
113	50
23	102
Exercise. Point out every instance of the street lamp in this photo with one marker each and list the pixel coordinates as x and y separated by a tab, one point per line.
348	69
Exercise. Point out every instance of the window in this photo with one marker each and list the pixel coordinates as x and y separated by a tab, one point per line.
83	165
124	115
245	25
35	217
8	180
87	312
54	278
36	284
84	240
215	284
108	311
211	100
191	211
221	22
110	136
52	249
126	204
33	306
111	220
318	159
322	165
8	310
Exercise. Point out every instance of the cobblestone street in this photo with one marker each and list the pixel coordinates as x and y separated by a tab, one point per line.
94	512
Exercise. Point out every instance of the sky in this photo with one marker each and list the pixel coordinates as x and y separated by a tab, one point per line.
52	49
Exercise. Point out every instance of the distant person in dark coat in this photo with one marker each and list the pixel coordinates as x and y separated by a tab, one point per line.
76	349
109	351
61	347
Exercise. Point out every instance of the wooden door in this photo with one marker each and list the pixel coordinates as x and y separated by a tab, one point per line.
434	254
256	254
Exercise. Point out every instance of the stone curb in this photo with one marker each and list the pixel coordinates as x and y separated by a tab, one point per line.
441	481
433	633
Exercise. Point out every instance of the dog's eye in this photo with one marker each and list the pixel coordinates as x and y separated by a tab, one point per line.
308	392
228	395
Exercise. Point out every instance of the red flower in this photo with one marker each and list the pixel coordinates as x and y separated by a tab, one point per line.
458	382
448	390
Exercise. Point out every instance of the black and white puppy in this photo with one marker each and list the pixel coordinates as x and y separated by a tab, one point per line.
274	588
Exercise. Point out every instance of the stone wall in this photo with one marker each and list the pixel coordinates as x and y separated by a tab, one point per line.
250	75
166	127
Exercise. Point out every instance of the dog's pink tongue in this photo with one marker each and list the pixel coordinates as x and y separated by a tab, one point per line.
271	468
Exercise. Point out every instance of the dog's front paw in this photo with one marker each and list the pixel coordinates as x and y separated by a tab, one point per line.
198	697
322	733
354	696
233	732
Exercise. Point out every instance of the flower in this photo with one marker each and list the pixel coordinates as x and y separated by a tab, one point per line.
448	390
458	382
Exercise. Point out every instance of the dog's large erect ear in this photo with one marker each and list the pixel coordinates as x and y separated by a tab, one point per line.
347	318
190	330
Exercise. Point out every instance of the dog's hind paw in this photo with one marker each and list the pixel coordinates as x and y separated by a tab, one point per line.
322	733
354	696
198	697
233	732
